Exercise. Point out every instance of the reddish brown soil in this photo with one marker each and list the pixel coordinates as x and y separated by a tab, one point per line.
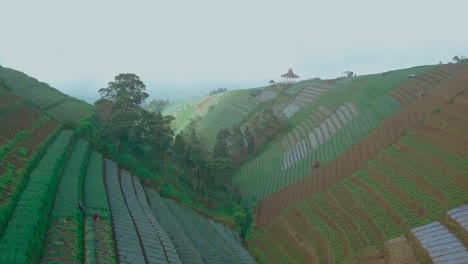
452	123
414	205
20	120
453	174
451	141
457	109
6	100
296	225
382	203
426	186
348	248
346	222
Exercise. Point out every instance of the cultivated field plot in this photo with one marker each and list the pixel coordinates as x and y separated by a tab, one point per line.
25	135
440	244
41	95
22	239
197	239
306	96
328	127
64	237
412	182
235	104
266	95
139	237
128	243
99	243
361	152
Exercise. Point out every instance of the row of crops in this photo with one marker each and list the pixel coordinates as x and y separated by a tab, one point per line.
99	244
64	237
387	197
126	236
22	239
158	248
23	143
41	95
139	237
197	239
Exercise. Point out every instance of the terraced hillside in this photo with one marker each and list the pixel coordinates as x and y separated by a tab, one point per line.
41	95
377	196
214	113
197	239
61	202
343	117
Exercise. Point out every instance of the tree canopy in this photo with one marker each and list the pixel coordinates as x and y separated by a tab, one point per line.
127	91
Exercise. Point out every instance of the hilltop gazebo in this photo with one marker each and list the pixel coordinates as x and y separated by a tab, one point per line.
289	77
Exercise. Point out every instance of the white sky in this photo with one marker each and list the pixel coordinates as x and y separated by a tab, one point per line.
78	46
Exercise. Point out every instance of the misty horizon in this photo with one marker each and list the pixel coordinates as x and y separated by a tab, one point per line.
186	52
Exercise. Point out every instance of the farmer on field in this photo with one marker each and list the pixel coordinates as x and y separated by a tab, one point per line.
82	208
317	164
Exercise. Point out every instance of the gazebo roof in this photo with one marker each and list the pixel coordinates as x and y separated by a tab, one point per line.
290	74
271	81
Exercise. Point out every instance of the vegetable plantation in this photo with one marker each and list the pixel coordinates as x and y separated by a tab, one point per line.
411	182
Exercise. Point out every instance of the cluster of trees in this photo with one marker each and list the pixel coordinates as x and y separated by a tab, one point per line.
269	126
210	172
127	129
144	142
157	105
460	59
218	90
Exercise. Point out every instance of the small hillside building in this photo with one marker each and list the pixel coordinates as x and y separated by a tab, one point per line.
289	77
348	74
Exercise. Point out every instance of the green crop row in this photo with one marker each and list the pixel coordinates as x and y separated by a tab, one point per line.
272	249
337	251
408	215
14	180
22	242
433	150
185	247
382	219
99	245
10	144
66	212
70	188
412	189
357	216
327	210
95	197
435	177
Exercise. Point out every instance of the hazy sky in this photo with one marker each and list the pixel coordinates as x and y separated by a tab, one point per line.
78	46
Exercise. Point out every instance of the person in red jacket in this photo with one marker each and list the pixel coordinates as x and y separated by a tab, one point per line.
96	217
317	164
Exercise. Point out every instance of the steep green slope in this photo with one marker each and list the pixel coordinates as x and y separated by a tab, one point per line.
59	105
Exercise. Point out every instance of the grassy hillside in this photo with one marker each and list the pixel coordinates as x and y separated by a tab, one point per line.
61	106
